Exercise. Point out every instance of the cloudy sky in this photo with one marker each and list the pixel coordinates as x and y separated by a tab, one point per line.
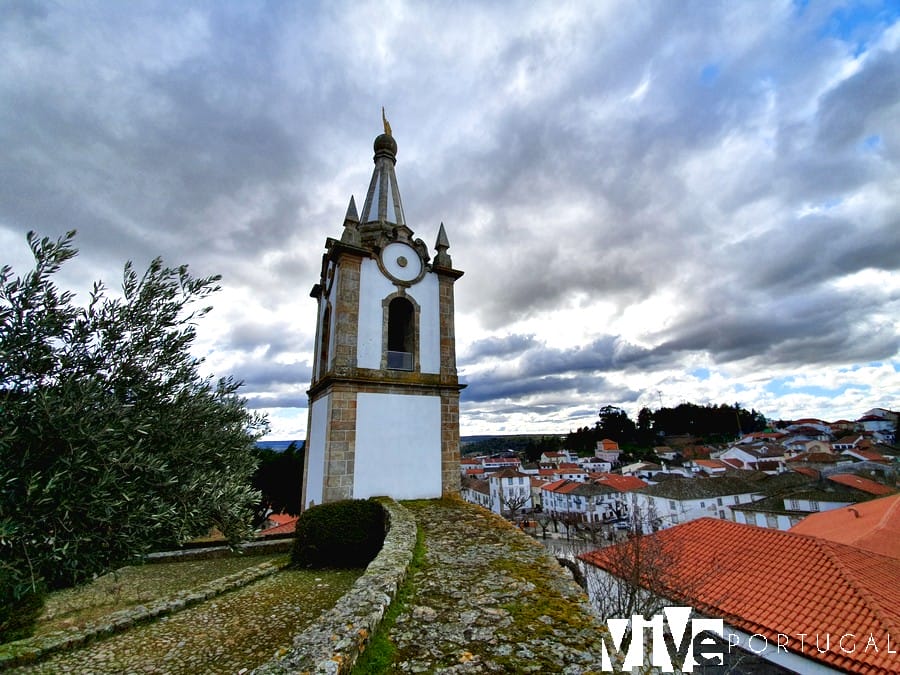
652	202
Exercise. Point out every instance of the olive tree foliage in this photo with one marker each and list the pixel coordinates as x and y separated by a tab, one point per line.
111	442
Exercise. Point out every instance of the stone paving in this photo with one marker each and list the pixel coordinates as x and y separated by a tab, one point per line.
227	634
489	599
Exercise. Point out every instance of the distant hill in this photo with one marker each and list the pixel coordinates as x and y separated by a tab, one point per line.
279	446
524	443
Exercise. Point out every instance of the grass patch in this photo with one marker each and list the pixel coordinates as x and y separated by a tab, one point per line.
381	652
136	585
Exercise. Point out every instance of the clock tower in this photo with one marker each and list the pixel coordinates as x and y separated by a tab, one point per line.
384	396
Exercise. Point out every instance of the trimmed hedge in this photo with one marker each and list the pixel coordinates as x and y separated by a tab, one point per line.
347	533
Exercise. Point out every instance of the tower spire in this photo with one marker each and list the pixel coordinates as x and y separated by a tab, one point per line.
382	213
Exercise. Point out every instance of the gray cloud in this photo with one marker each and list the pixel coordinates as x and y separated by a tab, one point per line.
739	160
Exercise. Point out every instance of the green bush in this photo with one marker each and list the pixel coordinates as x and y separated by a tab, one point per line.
347	533
112	443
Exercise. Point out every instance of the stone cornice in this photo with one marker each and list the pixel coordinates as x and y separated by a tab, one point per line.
378	380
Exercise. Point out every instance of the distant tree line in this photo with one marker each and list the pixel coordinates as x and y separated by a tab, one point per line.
708	424
529	447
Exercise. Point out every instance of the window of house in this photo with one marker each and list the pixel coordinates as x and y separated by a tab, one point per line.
719	501
672	506
401	334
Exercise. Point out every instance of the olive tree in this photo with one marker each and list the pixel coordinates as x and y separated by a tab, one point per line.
111	442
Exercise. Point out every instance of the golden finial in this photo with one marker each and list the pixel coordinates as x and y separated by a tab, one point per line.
387	125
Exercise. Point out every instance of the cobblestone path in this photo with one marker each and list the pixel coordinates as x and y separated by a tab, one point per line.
488	600
231	632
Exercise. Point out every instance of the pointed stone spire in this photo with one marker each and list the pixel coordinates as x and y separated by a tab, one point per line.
382	213
442	259
351	225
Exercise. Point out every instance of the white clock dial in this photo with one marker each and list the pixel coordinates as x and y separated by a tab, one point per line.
401	261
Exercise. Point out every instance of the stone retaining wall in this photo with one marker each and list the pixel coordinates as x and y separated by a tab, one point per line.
261	547
333	643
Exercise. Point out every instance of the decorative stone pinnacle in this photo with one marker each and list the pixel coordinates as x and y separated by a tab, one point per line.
442	259
351	225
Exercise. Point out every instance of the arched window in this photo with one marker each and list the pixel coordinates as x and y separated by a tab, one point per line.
401	335
325	339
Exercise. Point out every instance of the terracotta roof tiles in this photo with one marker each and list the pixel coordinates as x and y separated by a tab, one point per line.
770	582
860	483
873	525
617	482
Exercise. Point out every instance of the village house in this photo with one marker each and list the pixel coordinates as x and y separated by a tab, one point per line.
881	423
499	462
863	454
760	456
709	467
476	491
591	464
585	502
510	491
784	508
554	458
680	500
608	451
643	470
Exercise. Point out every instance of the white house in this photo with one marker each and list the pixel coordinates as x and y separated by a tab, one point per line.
510	491
680	500
586	502
591	464
476	491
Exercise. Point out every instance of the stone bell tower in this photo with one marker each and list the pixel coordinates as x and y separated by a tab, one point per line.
384	396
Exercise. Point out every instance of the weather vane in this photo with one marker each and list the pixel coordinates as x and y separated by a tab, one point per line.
387	125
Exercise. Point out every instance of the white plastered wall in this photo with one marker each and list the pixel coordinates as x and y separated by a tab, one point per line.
374	288
315	463
398	446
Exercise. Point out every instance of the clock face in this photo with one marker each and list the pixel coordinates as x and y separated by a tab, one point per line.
401	262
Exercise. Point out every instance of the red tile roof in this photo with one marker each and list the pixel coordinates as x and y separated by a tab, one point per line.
508	473
711	463
860	483
551	487
869	455
873	525
617	482
284	524
806	471
770	582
